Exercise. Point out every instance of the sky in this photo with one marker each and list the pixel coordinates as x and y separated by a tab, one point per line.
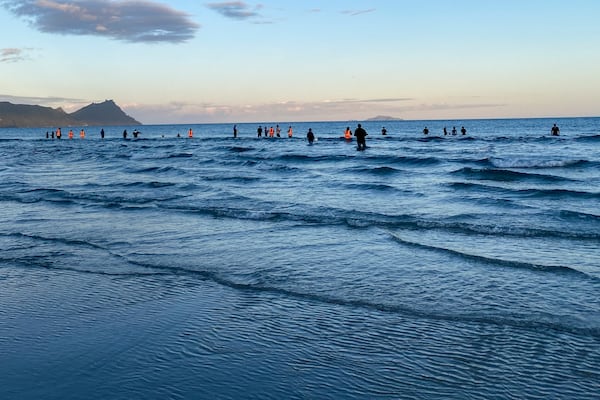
197	61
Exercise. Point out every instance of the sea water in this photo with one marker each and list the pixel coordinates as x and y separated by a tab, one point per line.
424	267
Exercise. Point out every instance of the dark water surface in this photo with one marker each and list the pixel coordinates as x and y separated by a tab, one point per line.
424	267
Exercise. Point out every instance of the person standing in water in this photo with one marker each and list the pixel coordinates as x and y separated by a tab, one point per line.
445	131
278	131
555	131
383	131
348	134
70	133
361	137
463	130
259	131
82	134
190	133
235	131
58	133
102	133
425	131
453	131
310	136
290	132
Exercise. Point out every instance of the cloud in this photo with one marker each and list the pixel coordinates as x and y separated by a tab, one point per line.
136	21
386	100
66	103
180	112
235	9
344	109
458	106
38	100
358	12
13	54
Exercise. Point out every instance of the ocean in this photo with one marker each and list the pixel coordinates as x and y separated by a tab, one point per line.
425	267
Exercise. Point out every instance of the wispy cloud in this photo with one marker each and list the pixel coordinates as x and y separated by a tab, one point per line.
343	109
324	110
125	20
235	9
13	54
386	100
358	12
66	103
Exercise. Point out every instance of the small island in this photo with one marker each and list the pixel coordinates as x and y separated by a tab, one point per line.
384	118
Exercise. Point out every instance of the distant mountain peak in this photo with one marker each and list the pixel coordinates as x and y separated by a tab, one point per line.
105	113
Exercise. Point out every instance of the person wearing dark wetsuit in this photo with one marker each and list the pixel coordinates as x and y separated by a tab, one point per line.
259	131
361	137
463	130
425	131
102	133
555	131
310	136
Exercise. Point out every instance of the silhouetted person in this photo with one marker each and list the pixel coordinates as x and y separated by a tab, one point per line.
555	131
310	136
463	130
125	134
235	131
425	131
445	131
454	130
383	131
135	133
361	137
102	133
259	131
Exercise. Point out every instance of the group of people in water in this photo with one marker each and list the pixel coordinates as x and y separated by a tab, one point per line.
463	131
360	133
269	132
58	134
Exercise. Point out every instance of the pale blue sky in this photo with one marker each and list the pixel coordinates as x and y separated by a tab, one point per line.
196	61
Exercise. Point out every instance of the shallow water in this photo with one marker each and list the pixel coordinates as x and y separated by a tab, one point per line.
423	267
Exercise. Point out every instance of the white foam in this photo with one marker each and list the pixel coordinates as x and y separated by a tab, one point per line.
522	162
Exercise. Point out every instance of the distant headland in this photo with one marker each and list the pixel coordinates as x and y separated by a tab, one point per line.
106	113
384	118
